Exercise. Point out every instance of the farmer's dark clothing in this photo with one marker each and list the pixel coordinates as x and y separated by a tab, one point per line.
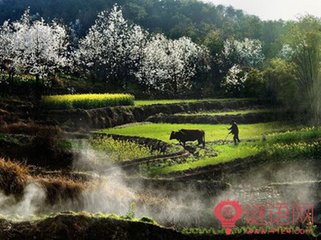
235	131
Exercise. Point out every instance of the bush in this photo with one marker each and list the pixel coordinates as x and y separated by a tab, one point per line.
87	101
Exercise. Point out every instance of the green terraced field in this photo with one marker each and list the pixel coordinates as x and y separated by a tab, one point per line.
277	146
282	140
172	101
226	113
213	132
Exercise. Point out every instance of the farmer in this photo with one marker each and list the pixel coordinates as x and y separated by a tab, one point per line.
235	131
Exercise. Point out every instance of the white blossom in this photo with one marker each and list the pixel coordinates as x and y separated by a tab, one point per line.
121	50
38	47
286	52
248	52
235	79
169	65
6	36
111	45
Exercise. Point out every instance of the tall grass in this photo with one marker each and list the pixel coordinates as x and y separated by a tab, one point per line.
301	143
118	150
87	101
13	177
294	150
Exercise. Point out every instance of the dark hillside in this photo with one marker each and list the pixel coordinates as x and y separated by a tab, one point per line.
191	18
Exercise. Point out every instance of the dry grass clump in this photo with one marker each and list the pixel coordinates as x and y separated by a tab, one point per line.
13	177
61	188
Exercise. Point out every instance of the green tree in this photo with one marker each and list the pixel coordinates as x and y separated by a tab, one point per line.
215	44
254	85
281	82
305	39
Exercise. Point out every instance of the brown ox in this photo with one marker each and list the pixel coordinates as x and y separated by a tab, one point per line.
185	135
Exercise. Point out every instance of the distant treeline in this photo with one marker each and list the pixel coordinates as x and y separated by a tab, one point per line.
174	18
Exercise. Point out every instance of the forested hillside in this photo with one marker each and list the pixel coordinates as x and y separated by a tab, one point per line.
165	49
195	19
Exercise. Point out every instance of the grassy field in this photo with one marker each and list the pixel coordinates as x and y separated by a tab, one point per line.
213	132
304	143
226	153
282	141
276	133
172	101
87	101
225	113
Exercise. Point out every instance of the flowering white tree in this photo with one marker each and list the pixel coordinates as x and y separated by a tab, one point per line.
6	35
112	47
287	52
235	80
117	51
247	53
240	57
169	65
38	47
